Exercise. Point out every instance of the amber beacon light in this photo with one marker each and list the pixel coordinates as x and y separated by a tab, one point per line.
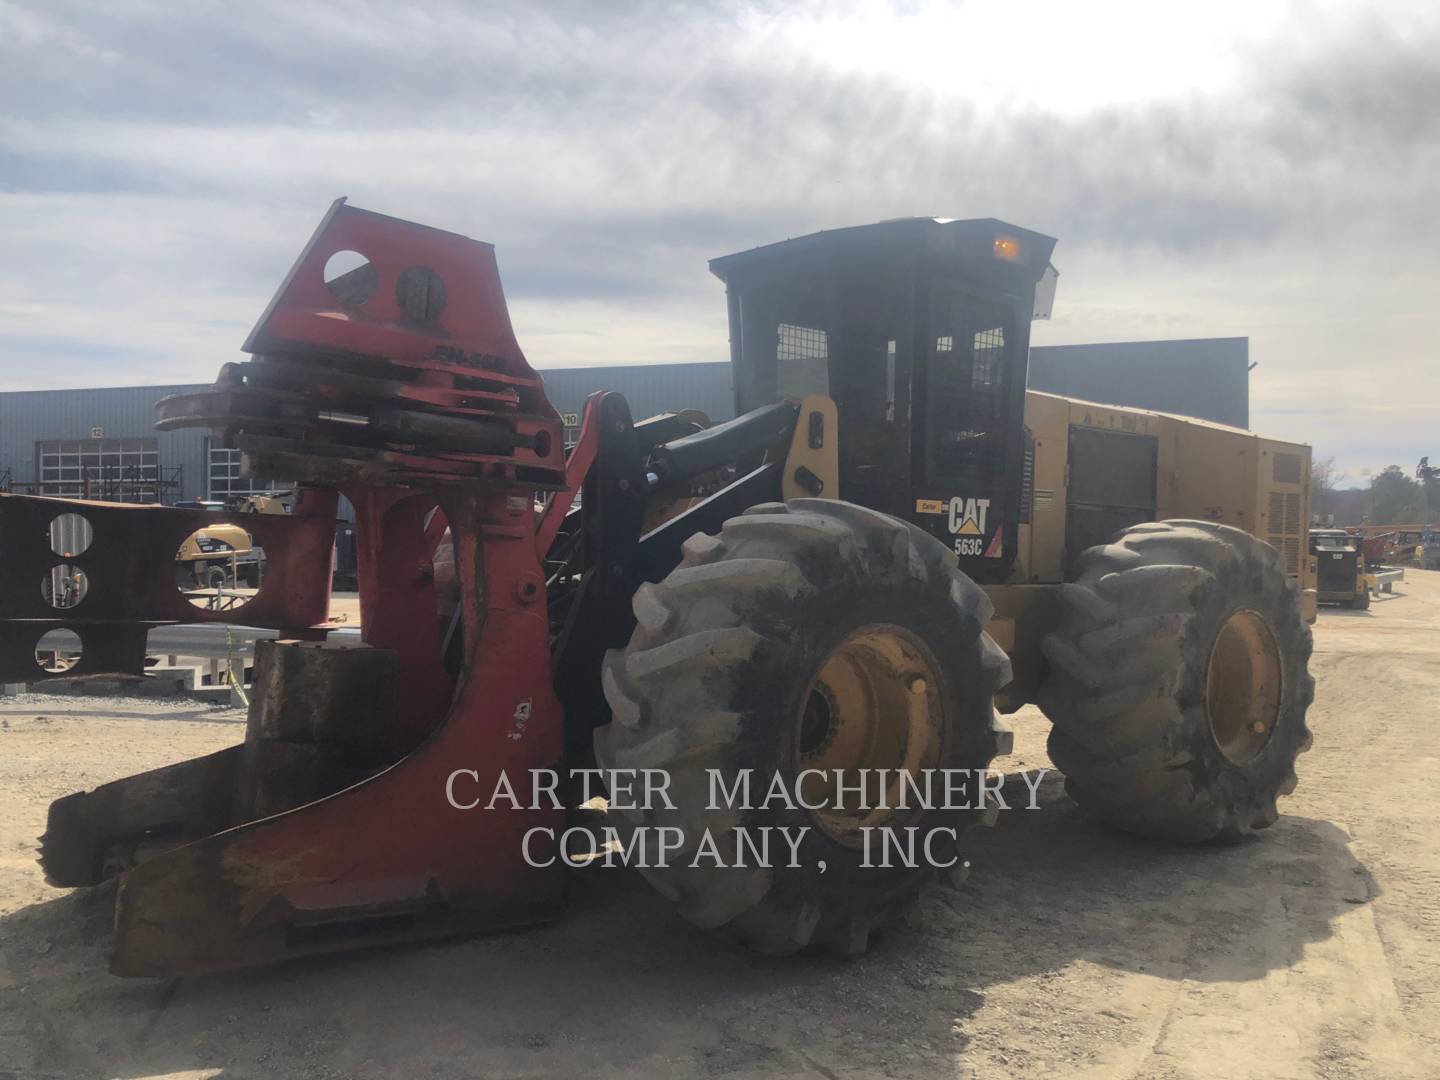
1007	248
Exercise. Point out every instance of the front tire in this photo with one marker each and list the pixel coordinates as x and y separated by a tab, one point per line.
1178	682
810	635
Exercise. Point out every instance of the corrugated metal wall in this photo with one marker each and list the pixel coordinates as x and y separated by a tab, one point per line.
1204	377
70	535
125	412
649	388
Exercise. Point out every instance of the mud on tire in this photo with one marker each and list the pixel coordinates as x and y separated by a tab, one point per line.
719	674
1178	681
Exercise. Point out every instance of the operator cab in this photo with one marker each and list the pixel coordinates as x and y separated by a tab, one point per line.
919	329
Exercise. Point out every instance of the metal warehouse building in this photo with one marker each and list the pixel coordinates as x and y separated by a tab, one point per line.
1204	377
101	443
649	388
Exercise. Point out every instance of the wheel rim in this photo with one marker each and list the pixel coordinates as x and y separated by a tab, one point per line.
1244	685
874	704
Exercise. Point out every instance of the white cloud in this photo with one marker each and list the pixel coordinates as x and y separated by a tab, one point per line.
1236	169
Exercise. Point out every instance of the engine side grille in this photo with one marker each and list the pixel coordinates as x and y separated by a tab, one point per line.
1283	534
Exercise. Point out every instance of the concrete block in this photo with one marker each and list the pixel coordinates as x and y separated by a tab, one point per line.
169	684
184	678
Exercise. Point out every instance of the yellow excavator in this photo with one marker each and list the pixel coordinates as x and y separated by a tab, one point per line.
224	555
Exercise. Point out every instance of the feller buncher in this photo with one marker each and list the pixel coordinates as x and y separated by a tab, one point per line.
890	540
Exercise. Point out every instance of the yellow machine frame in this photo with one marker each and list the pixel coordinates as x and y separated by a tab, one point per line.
1204	470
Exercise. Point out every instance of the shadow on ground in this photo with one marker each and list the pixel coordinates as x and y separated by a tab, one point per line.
622	987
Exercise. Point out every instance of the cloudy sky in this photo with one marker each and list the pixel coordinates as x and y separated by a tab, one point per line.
1251	169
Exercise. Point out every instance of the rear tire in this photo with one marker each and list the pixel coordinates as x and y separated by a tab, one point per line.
1177	681
807	635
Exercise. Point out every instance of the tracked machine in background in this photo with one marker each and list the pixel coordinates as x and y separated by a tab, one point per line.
1340	568
891	539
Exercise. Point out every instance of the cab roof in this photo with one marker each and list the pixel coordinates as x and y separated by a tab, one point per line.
986	247
961	238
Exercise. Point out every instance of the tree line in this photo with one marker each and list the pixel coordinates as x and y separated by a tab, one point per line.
1393	496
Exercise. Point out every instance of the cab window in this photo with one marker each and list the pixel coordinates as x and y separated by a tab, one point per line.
965	388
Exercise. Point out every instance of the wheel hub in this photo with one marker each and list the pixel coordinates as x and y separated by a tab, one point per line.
1244	683
872	713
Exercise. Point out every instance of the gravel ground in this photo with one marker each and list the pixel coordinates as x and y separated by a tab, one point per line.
1313	950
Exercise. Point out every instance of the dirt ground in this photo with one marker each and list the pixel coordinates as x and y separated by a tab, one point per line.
1310	951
